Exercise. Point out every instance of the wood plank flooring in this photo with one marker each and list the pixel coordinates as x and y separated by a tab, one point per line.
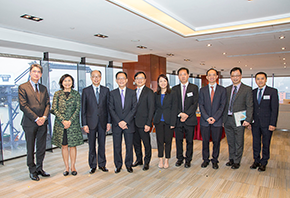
171	182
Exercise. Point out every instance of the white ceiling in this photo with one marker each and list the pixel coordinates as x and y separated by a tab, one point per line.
68	27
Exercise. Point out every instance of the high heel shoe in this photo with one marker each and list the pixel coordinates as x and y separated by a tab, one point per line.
166	163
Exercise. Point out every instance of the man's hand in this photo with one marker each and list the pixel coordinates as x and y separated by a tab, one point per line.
172	127
250	127
246	124
123	125
40	121
271	128
210	120
108	127
183	117
86	129
146	128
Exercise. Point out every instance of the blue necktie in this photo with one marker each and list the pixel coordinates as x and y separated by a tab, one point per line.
260	96
97	94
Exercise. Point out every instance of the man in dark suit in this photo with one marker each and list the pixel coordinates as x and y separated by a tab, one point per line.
34	103
212	101
239	99
122	107
187	98
143	120
266	107
96	119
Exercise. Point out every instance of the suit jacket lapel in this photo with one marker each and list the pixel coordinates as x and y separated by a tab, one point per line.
33	91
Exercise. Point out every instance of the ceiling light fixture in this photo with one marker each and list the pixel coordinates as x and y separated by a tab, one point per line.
284	63
246	65
224	53
186	60
101	36
170	54
251	68
209	45
284	58
141	47
285	67
135	40
283	48
30	17
281	37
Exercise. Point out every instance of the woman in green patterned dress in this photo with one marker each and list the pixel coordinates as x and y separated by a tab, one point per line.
67	130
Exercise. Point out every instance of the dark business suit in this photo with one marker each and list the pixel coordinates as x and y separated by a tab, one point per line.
33	108
144	114
96	116
265	114
187	127
235	135
119	114
213	109
163	132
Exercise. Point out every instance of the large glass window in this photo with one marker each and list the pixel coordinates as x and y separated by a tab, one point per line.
283	86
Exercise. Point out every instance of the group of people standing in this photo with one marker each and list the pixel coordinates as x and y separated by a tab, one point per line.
131	113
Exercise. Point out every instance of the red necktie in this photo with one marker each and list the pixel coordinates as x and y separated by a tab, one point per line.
211	94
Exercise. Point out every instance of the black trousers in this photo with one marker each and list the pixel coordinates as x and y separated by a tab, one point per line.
216	134
93	160
179	134
139	135
261	134
164	139
38	134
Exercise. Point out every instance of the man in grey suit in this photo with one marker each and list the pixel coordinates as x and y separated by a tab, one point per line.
34	103
96	120
239	98
212	101
122	105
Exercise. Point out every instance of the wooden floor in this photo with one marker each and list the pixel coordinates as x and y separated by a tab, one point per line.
171	182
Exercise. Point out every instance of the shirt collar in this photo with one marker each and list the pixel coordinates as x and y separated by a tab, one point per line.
214	85
122	89
186	84
96	87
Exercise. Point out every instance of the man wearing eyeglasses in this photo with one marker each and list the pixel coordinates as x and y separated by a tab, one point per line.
239	101
96	120
122	105
143	120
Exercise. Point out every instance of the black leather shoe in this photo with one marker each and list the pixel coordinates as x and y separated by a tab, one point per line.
145	167
117	170
137	163
215	165
262	168
34	176
178	163
204	164
130	169
230	163
65	173
236	166
43	173
103	168
74	173
255	165
187	165
92	171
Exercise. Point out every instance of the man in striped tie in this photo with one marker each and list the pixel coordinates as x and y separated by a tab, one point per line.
212	101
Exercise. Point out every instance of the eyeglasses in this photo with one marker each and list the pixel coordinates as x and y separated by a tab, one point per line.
121	78
141	78
96	77
235	76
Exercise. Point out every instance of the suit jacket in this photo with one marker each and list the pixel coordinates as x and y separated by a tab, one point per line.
266	113
30	105
214	109
168	109
190	104
145	108
243	101
91	111
127	114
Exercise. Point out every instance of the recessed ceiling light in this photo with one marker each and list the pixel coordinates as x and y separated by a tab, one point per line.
283	48
30	17
141	47
239	61
284	63
251	68
246	65
170	54
281	37
101	36
284	58
209	45
135	40
285	67
186	60
224	53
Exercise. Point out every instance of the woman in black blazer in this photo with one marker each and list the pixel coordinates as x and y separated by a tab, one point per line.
164	118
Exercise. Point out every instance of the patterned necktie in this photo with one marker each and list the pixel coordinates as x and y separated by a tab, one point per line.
260	96
138	94
183	97
233	98
97	95
122	98
37	92
211	94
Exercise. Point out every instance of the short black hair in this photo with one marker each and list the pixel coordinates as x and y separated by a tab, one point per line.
64	77
36	65
140	72
236	69
213	70
261	73
96	70
121	72
182	68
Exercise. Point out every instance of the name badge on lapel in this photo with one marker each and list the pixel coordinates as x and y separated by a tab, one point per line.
189	94
266	97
